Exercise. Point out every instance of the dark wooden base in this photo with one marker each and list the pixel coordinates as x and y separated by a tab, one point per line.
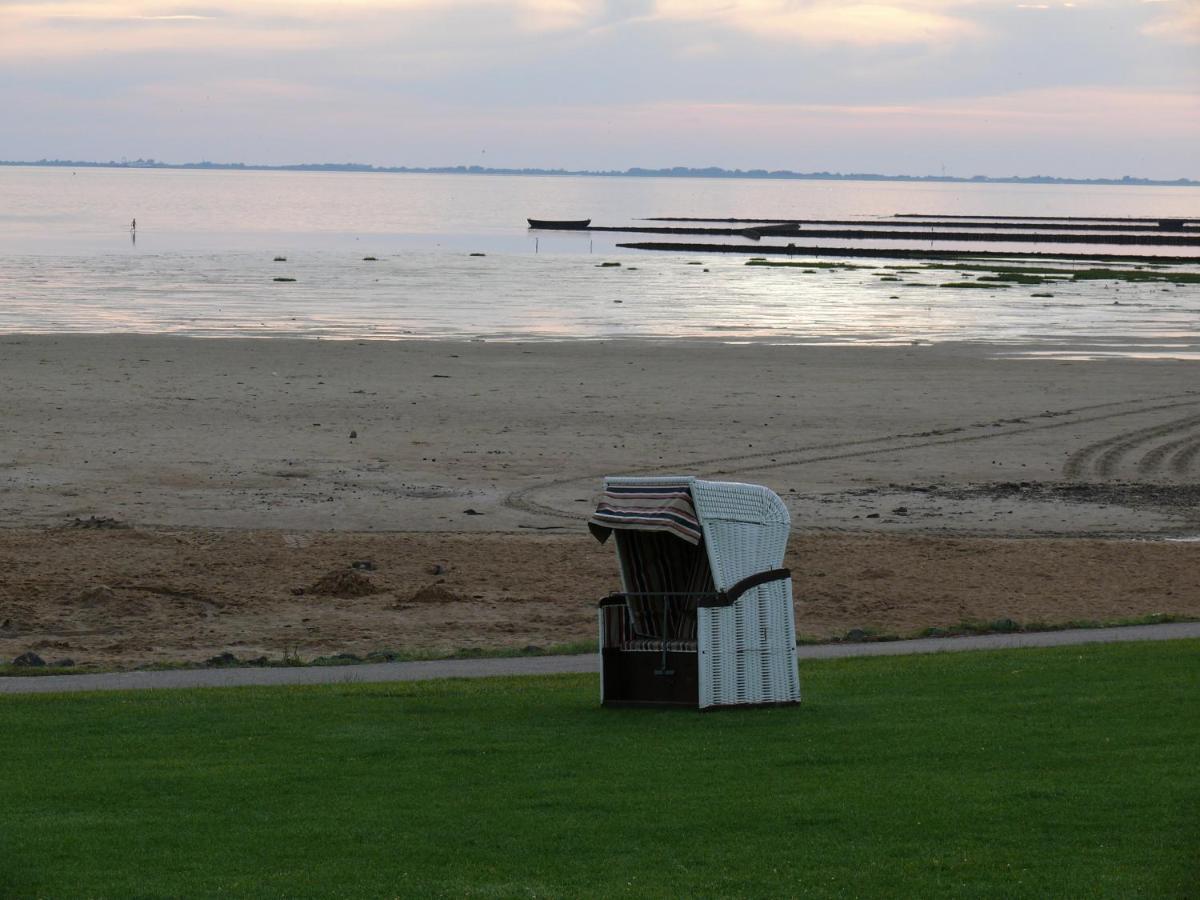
630	679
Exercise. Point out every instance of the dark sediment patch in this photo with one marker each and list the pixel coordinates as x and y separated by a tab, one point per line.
1179	498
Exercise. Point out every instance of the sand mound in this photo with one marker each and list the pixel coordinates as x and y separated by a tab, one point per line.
434	593
343	583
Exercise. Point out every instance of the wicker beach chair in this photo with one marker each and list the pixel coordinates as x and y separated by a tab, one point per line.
704	618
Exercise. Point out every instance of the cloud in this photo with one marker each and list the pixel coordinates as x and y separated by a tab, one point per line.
1089	112
607	82
1092	132
1177	21
1063	131
826	21
247	93
537	15
63	29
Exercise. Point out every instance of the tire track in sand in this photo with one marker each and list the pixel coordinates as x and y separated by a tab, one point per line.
1185	459
523	499
1103	457
1155	459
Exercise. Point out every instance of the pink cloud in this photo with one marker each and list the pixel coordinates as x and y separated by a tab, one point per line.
1177	21
825	21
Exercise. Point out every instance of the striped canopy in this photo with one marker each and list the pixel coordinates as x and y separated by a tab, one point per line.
658	507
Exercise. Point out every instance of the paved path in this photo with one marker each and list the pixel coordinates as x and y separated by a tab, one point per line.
553	665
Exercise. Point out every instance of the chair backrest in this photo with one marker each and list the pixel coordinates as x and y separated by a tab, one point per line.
687	535
743	527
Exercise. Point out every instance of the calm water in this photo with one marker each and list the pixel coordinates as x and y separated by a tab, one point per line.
203	262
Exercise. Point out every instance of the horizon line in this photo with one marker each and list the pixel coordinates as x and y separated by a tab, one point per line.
632	172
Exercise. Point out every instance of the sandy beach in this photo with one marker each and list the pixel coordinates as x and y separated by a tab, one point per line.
171	499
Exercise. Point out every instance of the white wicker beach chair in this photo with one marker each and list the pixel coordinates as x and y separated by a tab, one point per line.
704	618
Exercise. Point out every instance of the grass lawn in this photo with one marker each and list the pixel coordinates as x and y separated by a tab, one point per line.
1041	773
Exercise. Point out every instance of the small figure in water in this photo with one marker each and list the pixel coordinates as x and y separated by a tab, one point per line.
133	225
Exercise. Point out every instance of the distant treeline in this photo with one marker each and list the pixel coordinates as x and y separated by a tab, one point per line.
637	172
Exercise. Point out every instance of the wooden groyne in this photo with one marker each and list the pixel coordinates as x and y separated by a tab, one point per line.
1118	219
860	234
890	223
663	229
862	252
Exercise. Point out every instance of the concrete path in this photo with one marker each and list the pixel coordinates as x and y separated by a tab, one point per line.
553	665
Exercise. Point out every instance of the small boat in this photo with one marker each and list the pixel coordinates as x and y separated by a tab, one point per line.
560	224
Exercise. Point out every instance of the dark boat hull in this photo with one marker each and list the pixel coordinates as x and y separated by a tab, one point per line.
560	224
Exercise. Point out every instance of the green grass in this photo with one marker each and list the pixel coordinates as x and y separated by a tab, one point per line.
971	627
1038	773
291	659
1000	269
1008	626
1033	773
1014	278
1131	275
572	648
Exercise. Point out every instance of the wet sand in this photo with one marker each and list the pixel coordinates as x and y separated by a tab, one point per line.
242	470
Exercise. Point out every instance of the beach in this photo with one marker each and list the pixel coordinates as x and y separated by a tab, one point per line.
171	499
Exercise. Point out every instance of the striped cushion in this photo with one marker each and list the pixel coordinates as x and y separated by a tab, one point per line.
660	507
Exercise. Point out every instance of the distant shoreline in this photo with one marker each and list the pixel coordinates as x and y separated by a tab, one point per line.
636	172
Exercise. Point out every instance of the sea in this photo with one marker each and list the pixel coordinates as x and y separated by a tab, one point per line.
428	256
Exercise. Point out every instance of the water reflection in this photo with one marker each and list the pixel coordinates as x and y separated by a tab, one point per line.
502	297
207	265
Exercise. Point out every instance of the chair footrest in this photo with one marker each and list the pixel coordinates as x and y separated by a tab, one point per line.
655	645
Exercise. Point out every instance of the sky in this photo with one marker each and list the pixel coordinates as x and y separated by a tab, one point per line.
1094	88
